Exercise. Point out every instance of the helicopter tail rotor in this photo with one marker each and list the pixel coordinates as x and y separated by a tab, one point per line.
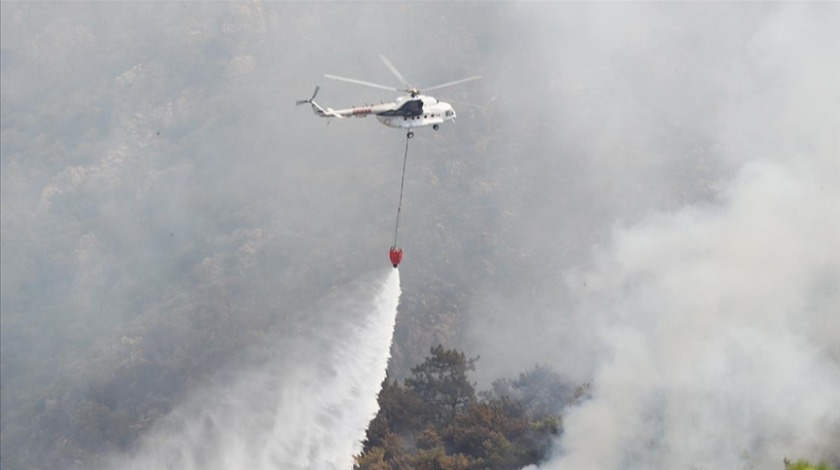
317	109
310	100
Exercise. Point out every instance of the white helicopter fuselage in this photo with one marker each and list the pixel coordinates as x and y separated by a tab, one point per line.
405	113
434	112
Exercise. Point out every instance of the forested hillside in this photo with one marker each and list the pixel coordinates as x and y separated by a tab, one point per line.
625	244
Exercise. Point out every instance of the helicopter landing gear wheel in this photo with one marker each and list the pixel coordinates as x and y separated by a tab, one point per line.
435	127
410	134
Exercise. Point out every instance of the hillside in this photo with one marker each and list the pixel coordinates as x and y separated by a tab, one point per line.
637	202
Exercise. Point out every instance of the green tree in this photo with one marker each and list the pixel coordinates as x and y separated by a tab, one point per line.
805	465
470	429
437	459
429	439
389	455
493	431
400	407
435	421
441	382
372	459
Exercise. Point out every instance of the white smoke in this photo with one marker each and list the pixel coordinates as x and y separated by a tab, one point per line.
282	415
721	330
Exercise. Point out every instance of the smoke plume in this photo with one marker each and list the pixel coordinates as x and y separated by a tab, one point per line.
719	330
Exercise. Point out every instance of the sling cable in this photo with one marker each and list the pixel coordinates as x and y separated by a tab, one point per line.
396	254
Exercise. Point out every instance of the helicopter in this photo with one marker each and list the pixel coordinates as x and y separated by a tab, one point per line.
406	112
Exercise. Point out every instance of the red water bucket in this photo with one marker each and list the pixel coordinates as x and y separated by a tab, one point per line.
396	255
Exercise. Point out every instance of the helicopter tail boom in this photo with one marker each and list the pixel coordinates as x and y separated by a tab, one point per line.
317	109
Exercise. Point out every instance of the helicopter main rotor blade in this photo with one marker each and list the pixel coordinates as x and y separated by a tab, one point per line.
360	82
395	71
447	100
456	82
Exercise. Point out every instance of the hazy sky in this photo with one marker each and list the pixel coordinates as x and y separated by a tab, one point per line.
648	198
